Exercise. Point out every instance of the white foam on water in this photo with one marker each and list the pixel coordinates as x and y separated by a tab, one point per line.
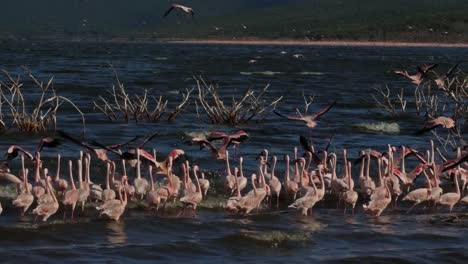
311	73
269	73
385	127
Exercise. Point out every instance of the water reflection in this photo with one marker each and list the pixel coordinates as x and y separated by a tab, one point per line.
116	233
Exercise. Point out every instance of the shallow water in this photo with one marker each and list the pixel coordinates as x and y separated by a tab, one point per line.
347	74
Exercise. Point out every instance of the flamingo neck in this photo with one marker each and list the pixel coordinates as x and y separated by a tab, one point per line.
71	175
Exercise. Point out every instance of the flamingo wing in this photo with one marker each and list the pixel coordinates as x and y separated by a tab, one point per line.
116	146
323	111
47	142
240	136
215	135
454	163
450	71
10	155
76	141
169	11
118	153
305	143
148	139
428	126
424	69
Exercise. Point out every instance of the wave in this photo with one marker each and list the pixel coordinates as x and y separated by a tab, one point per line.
384	127
269	73
311	73
273	238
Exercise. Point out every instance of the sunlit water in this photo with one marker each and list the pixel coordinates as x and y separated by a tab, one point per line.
347	74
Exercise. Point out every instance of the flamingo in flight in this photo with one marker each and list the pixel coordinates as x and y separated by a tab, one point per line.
417	78
310	120
440	81
218	153
13	150
131	154
441	121
185	9
236	138
308	147
100	153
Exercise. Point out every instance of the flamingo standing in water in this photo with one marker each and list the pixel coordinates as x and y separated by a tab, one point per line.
71	196
451	198
275	184
83	190
307	201
39	187
61	185
381	196
366	183
25	199
419	195
108	193
291	187
350	197
192	199
230	179
95	190
47	209
204	184
231	203
252	199
141	184
152	197
115	210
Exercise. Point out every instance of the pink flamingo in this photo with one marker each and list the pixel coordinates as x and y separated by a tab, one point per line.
451	198
152	197
71	196
192	199
47	209
108	193
380	198
141	184
231	204
291	187
419	195
25	199
441	121
185	9
350	196
115	210
275	184
310	119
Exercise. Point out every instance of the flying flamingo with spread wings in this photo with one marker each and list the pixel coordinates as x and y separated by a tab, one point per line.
310	120
185	9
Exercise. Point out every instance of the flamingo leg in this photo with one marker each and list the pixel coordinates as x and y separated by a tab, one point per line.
411	208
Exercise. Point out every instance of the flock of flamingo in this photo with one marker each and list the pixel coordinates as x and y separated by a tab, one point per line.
314	178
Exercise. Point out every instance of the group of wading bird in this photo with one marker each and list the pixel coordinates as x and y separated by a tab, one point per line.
314	179
315	176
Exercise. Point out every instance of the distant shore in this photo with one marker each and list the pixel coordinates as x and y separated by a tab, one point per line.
319	43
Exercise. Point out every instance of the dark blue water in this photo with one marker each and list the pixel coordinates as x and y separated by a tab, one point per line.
82	71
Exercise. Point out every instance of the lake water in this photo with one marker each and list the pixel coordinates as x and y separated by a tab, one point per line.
346	74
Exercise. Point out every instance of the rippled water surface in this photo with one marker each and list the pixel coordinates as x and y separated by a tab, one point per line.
347	74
